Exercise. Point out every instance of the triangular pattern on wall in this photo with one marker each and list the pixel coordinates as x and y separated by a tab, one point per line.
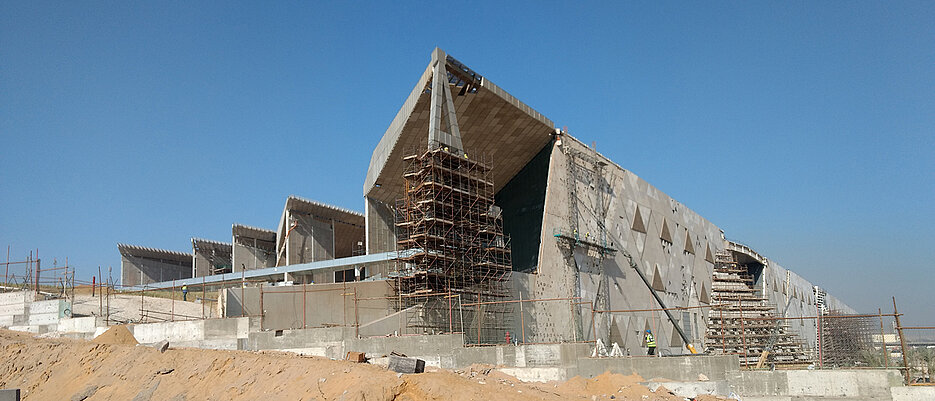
676	340
657	281
665	235
704	297
688	243
638	225
708	256
615	335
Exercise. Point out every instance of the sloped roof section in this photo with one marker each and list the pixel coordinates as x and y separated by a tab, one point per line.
324	211
241	230
201	244
153	253
494	126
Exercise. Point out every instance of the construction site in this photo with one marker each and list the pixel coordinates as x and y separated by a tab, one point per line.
488	237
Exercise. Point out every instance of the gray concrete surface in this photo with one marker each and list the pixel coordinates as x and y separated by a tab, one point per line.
10	394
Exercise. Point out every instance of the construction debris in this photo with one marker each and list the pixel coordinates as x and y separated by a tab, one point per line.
358	357
402	364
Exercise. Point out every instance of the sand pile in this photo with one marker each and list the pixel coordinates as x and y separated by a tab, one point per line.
65	369
116	335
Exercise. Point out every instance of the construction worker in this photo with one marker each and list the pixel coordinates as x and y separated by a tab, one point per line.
650	342
185	293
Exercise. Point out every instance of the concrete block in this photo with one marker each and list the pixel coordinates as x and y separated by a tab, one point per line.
229	344
13	309
759	383
542	355
174	332
406	365
39	307
912	393
221	328
692	389
27	329
10	394
822	383
86	324
541	375
43	318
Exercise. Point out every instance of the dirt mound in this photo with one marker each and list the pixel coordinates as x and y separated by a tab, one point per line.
116	335
63	369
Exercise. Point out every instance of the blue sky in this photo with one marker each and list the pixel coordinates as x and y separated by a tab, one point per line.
805	130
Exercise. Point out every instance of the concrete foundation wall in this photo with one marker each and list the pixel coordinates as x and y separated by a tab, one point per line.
48	312
816	384
14	307
324	304
209	334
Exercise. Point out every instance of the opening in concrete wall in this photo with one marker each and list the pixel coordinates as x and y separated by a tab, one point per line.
665	235
657	280
704	297
638	225
523	201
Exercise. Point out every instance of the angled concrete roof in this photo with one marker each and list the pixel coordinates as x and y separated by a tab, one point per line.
319	210
153	253
492	122
199	244
323	210
253	232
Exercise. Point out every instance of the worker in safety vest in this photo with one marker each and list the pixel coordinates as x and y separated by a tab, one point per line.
185	293
650	342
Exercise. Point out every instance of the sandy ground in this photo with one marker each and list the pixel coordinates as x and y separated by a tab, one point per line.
110	369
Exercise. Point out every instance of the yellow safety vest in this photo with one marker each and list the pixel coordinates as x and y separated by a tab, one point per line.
650	340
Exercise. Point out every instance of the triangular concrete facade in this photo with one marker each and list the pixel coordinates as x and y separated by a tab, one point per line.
638	225
665	235
658	284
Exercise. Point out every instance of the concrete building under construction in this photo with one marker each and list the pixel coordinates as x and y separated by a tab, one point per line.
481	218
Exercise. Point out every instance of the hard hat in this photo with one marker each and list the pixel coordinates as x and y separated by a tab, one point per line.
648	331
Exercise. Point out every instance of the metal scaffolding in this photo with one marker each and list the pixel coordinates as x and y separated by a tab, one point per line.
745	324
456	252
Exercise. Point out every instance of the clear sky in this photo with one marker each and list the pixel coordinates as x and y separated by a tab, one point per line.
803	129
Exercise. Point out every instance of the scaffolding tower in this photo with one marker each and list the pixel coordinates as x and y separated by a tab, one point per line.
452	247
745	324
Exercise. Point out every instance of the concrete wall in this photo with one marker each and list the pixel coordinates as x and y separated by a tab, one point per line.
139	270
816	384
208	333
324	304
207	259
312	240
252	258
611	199
381	234
13	307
